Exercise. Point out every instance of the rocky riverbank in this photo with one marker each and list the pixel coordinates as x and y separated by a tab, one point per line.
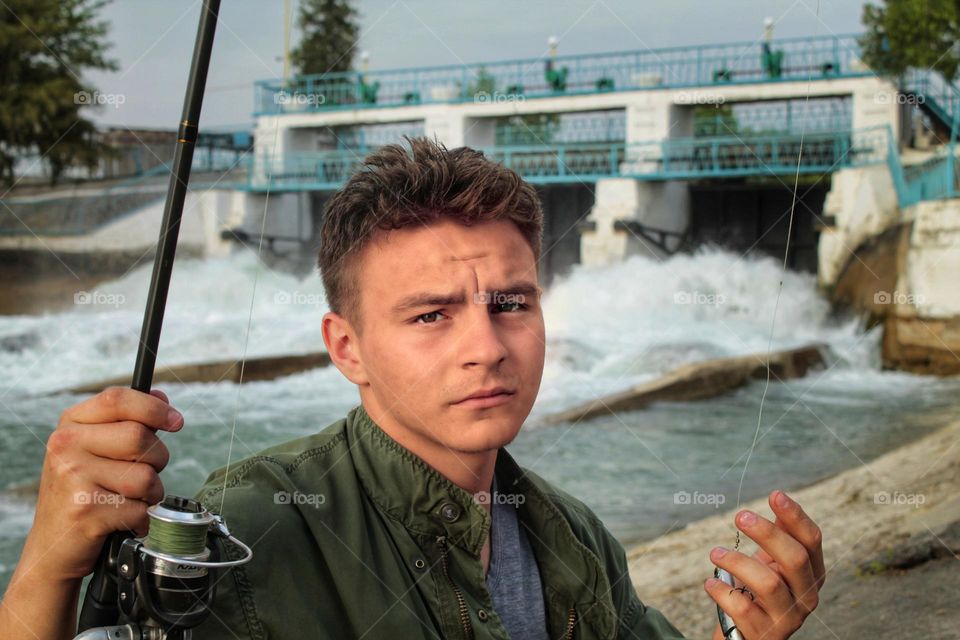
891	531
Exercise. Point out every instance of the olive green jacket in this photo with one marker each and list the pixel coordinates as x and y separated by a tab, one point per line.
356	537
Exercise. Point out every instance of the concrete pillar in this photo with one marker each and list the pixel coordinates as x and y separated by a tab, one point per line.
876	102
447	125
662	206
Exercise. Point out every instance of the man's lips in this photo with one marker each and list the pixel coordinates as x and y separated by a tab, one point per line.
486	396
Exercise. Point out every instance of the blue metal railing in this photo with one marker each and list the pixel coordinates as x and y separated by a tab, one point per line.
795	115
561	128
689	66
672	159
932	92
777	154
933	179
72	214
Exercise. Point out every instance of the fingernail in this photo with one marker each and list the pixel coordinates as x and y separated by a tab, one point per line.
783	500
749	518
719	552
174	419
712	582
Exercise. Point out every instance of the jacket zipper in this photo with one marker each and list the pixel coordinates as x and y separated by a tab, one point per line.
571	621
461	602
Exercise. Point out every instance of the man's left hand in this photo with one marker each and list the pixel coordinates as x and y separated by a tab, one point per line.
785	575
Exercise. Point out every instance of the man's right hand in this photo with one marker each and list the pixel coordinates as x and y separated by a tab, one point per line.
100	474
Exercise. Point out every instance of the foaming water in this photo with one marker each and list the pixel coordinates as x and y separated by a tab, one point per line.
205	319
615	326
607	328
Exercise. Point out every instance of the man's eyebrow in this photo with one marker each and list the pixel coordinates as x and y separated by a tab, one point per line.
429	299
523	289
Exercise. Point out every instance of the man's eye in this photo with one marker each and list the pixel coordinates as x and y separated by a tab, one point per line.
510	306
423	316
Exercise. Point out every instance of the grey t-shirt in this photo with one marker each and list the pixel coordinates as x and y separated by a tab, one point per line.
513	579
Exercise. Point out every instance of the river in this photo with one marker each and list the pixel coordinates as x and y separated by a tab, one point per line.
645	473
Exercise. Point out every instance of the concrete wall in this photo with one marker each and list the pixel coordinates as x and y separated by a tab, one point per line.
931	270
862	203
906	278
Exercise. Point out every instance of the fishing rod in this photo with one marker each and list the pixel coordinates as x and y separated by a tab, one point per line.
162	585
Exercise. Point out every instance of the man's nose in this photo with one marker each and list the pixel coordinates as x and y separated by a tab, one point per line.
481	341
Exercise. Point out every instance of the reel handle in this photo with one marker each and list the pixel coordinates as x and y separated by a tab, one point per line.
100	603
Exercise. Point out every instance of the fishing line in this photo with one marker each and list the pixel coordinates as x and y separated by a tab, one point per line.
253	297
783	271
727	625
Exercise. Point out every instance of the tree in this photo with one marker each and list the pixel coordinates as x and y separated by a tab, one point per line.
45	46
912	33
329	36
715	120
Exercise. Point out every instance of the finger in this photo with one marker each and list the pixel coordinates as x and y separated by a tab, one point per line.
770	592
717	633
115	404
115	512
133	480
127	441
160	394
747	615
763	556
791	556
792	518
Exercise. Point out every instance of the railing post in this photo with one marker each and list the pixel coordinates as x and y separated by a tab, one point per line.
950	178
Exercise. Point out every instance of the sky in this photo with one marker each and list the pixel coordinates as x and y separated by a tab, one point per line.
153	41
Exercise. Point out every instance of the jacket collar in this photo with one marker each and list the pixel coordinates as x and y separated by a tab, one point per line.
411	491
417	495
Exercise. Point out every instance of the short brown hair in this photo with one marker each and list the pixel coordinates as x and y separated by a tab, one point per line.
396	188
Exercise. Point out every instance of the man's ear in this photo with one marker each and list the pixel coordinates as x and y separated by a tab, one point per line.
342	345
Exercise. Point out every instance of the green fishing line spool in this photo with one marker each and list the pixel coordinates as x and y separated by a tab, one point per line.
178	527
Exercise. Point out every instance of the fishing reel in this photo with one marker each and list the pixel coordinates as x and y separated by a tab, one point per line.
162	585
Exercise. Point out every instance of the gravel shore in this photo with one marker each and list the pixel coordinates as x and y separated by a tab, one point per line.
891	531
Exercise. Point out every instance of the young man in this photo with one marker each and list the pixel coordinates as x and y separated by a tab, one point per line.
407	518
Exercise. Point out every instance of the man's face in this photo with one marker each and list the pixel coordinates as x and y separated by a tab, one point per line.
449	311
